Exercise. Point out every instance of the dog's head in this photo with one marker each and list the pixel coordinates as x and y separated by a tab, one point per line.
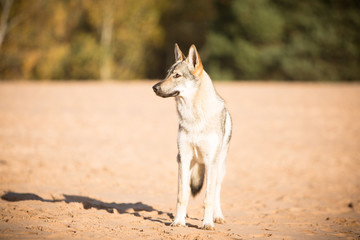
183	76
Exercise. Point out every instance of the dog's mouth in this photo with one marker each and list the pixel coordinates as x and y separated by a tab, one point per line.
160	93
164	95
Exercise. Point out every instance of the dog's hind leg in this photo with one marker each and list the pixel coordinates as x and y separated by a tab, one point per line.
218	215
211	175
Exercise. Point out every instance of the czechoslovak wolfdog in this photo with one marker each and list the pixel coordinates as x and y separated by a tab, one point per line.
203	136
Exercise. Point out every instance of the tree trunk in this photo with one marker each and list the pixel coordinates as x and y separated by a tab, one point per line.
4	20
106	36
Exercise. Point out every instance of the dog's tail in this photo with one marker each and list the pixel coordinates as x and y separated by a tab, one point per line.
197	178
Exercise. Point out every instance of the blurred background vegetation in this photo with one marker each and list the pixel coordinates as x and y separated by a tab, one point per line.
127	39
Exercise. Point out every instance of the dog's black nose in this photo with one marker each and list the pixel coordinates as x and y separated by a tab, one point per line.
156	87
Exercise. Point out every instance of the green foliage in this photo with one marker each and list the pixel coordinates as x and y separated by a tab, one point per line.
246	40
237	39
286	40
257	21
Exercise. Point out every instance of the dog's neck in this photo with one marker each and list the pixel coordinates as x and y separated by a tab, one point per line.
199	103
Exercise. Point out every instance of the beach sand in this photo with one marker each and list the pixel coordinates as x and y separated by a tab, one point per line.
97	160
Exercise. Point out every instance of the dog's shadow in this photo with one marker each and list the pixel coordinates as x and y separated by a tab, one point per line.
134	209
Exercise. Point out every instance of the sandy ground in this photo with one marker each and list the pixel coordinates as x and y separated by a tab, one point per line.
98	161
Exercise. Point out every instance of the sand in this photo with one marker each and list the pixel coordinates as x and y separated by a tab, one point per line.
98	161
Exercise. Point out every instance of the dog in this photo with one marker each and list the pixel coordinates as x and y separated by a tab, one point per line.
204	134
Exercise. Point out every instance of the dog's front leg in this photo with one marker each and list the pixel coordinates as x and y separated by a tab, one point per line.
211	174
184	159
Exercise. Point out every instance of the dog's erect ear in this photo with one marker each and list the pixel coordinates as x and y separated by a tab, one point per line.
194	60
179	56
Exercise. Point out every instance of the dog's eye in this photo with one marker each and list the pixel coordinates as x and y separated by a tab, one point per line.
177	75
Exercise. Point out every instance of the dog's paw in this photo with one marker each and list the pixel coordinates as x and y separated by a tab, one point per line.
208	227
219	220
177	224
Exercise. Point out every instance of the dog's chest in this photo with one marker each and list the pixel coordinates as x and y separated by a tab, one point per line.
191	119
199	117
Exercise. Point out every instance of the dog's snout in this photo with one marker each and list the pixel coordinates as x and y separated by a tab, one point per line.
156	87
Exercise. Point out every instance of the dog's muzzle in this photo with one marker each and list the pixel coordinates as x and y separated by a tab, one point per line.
158	92
156	88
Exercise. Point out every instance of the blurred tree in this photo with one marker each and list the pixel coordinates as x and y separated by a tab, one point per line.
245	39
321	40
126	28
284	39
7	22
4	19
124	39
184	22
85	39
